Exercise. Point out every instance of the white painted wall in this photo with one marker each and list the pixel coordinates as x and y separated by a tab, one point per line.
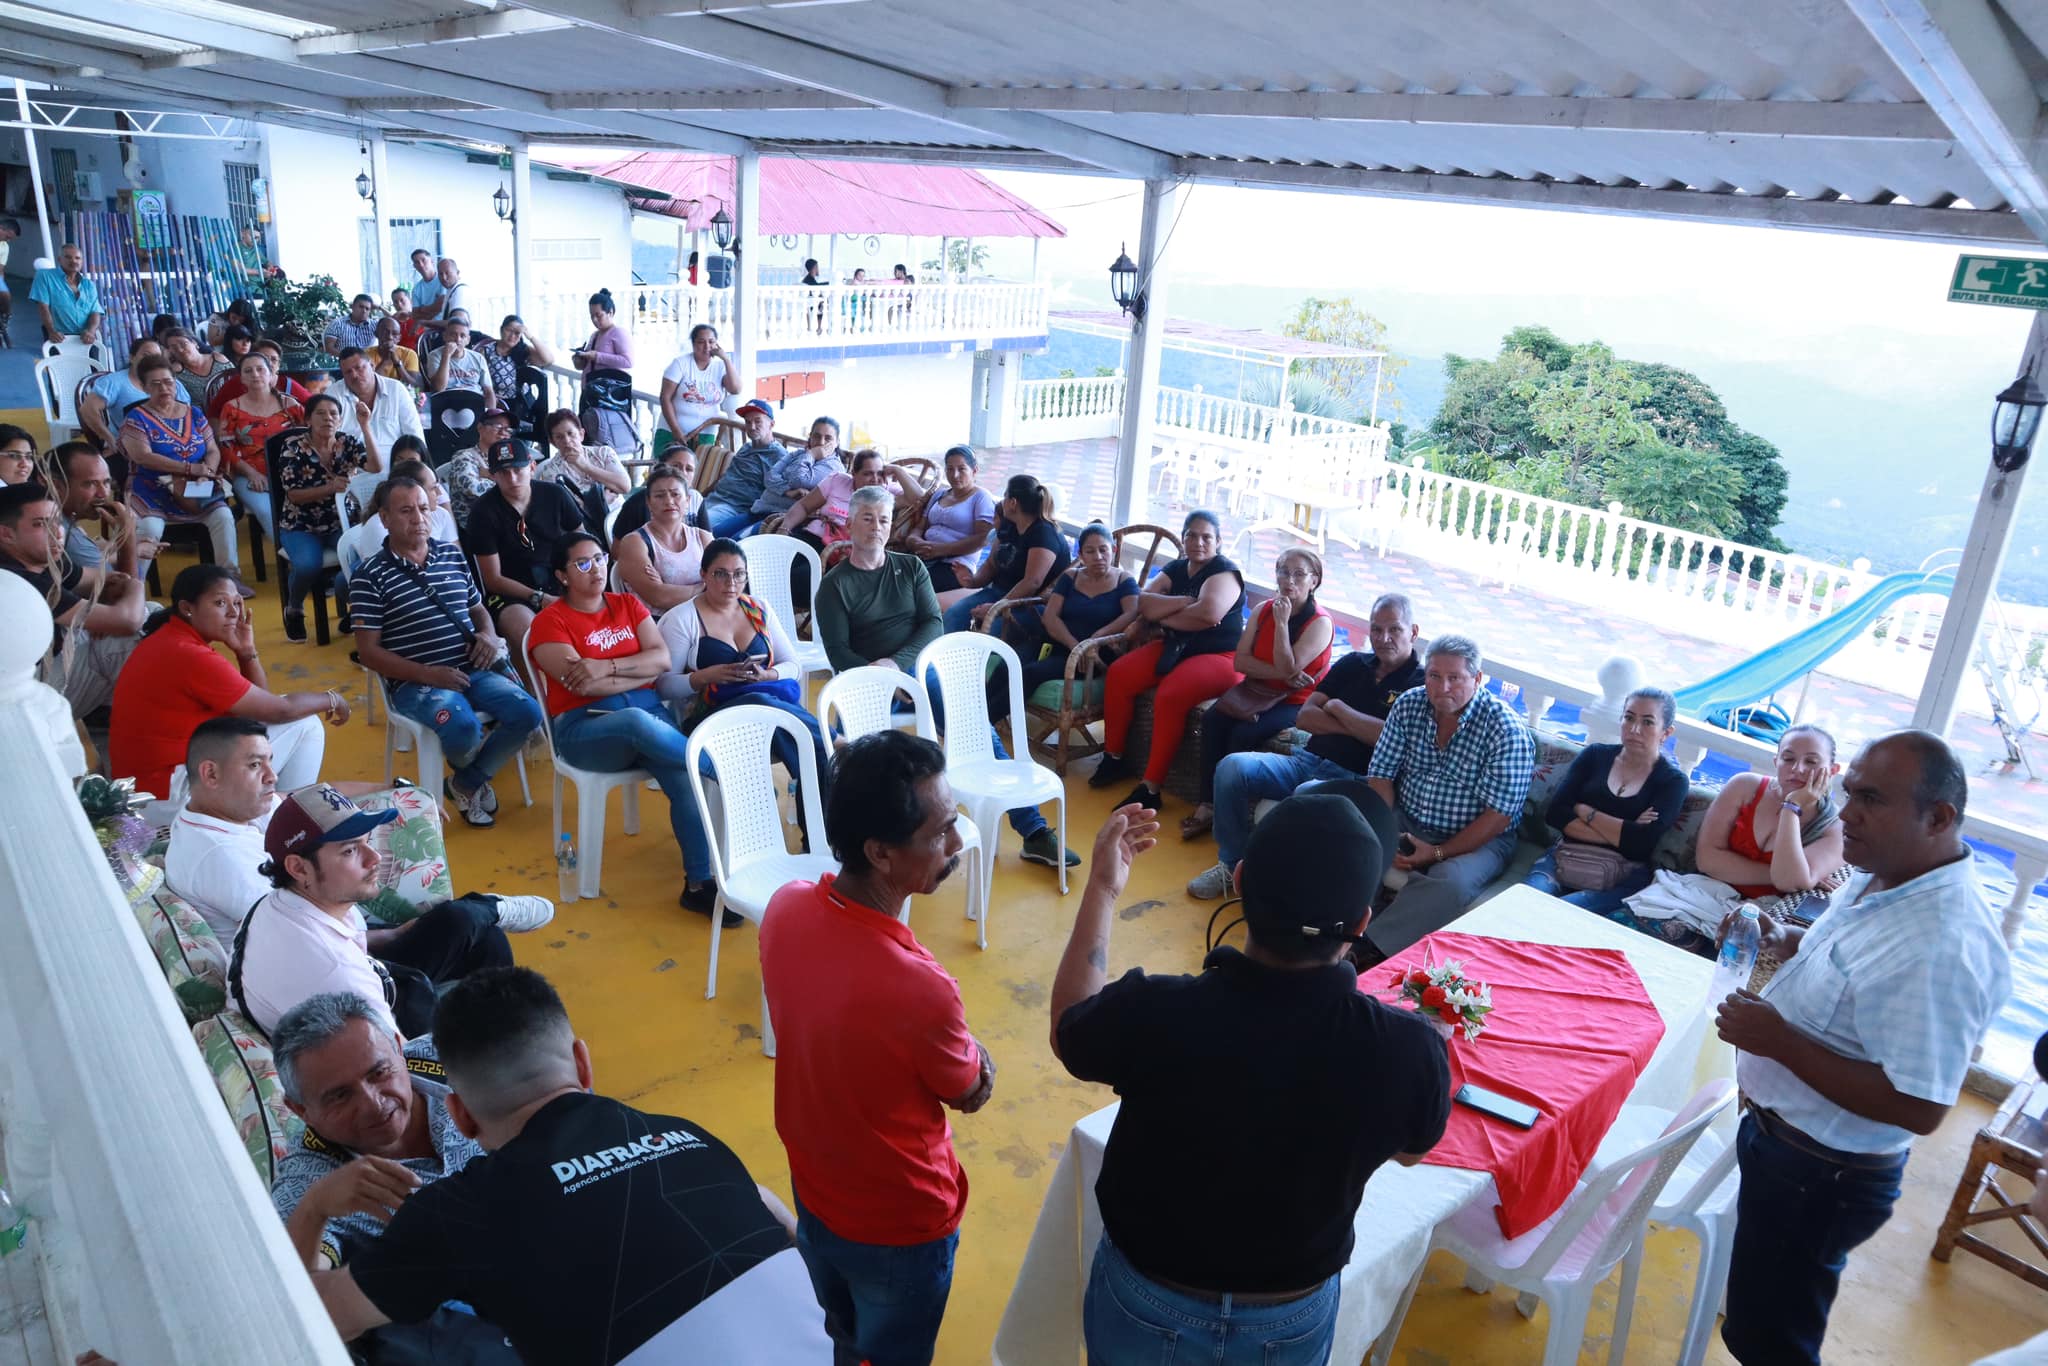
313	196
914	405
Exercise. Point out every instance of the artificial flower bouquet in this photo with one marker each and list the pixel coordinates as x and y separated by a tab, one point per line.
1443	995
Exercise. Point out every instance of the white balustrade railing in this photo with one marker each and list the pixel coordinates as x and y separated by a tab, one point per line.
158	1242
1053	400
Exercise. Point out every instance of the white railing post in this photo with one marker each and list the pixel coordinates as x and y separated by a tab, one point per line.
155	1210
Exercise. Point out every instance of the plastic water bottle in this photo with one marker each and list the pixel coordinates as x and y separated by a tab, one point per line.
13	1224
565	864
1738	955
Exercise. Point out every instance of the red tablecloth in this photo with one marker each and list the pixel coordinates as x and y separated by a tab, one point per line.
1570	1032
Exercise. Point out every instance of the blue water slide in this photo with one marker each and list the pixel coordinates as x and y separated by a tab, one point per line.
1799	654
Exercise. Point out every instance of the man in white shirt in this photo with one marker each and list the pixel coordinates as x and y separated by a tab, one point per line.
217	840
1860	1041
307	935
394	411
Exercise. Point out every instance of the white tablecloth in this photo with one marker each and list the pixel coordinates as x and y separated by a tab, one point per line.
1402	1205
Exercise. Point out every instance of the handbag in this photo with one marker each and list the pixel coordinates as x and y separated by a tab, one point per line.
1250	698
1589	867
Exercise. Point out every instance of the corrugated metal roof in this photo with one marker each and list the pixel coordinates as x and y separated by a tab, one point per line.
800	195
1212	338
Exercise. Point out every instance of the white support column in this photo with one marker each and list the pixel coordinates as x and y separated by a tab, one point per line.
1948	672
522	228
1141	387
35	172
746	279
380	219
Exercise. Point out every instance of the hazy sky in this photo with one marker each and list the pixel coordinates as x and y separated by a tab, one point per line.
1866	314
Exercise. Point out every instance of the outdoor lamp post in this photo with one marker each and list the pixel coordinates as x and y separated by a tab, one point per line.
2014	421
1123	285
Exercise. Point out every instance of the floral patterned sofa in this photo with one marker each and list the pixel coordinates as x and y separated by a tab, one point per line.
413	870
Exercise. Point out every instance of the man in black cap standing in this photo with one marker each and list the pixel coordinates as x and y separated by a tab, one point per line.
1257	1097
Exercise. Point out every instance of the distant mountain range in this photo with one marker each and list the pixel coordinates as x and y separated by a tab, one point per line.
1893	479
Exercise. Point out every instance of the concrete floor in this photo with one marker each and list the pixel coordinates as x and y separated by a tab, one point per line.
631	967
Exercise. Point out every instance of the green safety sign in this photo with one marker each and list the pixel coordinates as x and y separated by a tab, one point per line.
2008	281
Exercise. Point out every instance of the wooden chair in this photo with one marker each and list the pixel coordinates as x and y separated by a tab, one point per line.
2015	1140
1080	695
921	468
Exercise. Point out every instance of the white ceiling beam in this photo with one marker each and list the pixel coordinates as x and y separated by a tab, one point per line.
189	28
1955	54
786	59
495	24
1904	221
652	9
985	158
1861	120
712	101
386	103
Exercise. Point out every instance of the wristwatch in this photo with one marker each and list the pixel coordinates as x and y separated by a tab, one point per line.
536	601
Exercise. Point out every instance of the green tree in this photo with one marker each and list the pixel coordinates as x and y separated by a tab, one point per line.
1481	412
1685	412
1347	380
1542	343
1587	411
959	260
1682	486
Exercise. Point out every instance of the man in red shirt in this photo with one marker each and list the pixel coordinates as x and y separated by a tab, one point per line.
872	1046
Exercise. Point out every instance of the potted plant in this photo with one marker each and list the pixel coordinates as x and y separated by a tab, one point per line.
296	313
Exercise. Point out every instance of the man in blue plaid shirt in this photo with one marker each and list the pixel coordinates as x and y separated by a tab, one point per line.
1453	762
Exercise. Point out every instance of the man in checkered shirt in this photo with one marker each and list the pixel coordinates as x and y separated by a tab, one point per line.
1860	1041
1454	763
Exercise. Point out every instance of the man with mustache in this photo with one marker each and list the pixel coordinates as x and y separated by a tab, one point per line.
872	1046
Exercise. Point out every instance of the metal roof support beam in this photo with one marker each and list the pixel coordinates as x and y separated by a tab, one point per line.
787	59
1164	200
1954	53
189	28
1863	120
1905	221
715	101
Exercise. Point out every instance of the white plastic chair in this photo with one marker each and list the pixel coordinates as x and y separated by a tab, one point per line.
403	733
770	561
1563	1260
57	381
861	702
593	793
748	856
357	544
985	785
97	355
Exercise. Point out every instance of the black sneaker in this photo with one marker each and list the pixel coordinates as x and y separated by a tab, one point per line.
1109	768
702	899
1141	795
295	627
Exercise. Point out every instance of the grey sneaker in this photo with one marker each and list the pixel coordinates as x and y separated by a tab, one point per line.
1211	885
520	913
1044	847
470	804
488	795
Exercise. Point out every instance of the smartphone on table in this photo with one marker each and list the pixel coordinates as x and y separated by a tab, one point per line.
1493	1103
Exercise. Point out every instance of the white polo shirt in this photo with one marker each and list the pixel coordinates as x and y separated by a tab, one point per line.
211	864
1907	978
395	413
295	950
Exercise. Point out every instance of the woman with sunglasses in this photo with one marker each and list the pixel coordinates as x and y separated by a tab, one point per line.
1283	653
728	649
598	655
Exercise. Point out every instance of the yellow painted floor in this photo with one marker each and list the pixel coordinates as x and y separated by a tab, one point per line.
631	967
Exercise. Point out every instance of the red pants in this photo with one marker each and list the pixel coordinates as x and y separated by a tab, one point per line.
1194	680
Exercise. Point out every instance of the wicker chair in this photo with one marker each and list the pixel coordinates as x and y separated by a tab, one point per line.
920	468
1077	704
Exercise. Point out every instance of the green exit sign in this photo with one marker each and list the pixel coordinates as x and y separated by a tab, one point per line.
2007	281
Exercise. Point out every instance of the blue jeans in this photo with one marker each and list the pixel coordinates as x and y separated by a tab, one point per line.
474	753
883	1305
1245	780
1131	1320
1439	894
257	505
1025	820
959	615
633	737
307	551
726	519
1223	736
1543	877
1798	1215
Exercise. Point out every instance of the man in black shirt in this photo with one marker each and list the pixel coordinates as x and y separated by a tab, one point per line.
1257	1097
1342	716
588	1227
512	531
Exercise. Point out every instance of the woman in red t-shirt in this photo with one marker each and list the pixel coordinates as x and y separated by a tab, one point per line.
1283	653
176	679
598	655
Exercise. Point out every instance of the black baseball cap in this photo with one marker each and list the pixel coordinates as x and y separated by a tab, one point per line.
1312	866
508	454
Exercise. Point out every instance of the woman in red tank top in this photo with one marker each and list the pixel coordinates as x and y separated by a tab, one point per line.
1768	836
1283	653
